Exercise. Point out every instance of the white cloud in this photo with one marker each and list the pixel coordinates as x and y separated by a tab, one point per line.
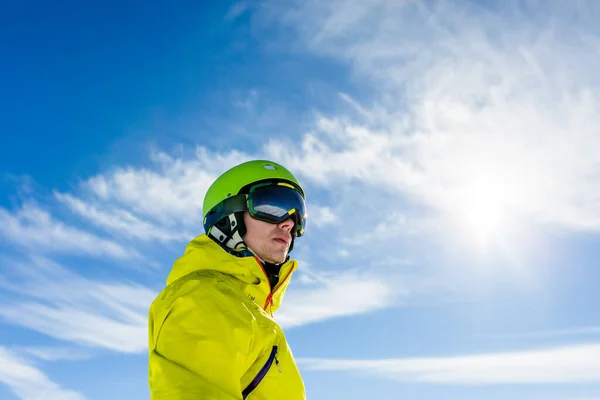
34	228
113	316
321	216
344	253
479	113
56	353
90	313
82	325
162	202
120	221
390	226
170	193
324	298
577	331
561	365
28	382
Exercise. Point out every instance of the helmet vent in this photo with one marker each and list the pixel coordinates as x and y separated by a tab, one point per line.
270	167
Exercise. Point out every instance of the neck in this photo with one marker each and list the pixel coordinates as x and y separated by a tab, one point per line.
272	270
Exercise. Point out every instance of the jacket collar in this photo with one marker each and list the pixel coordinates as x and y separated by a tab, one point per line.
202	253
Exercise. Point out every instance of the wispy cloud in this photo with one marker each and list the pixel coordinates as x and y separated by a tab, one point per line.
391	226
474	111
79	325
163	201
90	313
560	365
120	221
56	353
27	382
113	316
322	216
34	228
247	100
236	10
322	298
169	192
569	332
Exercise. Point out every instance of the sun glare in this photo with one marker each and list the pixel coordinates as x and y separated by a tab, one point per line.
483	214
481	208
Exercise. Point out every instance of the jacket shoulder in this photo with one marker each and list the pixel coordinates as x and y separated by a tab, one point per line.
201	284
202	297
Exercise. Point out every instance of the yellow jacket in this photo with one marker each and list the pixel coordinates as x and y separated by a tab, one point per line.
211	331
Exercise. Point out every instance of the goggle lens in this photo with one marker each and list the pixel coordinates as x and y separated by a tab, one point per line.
275	203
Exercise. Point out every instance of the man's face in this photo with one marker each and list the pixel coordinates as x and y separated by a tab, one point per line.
270	242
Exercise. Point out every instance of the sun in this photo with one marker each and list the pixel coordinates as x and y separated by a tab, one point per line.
483	213
480	208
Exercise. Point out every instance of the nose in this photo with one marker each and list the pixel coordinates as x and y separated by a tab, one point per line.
286	225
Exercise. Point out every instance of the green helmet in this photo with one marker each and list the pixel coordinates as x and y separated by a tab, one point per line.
227	198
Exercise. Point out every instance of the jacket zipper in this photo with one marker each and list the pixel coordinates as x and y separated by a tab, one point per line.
269	300
261	374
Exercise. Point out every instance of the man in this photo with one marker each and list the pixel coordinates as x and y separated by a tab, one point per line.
211	331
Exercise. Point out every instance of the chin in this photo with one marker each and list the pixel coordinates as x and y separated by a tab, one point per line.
277	260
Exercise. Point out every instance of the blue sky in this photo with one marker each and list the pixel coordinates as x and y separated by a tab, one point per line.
449	151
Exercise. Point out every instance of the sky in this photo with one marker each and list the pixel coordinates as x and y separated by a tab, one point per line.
448	149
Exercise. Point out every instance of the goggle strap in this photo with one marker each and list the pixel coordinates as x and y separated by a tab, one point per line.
229	206
286	185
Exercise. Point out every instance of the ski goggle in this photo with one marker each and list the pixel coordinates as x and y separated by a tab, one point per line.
272	202
276	202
